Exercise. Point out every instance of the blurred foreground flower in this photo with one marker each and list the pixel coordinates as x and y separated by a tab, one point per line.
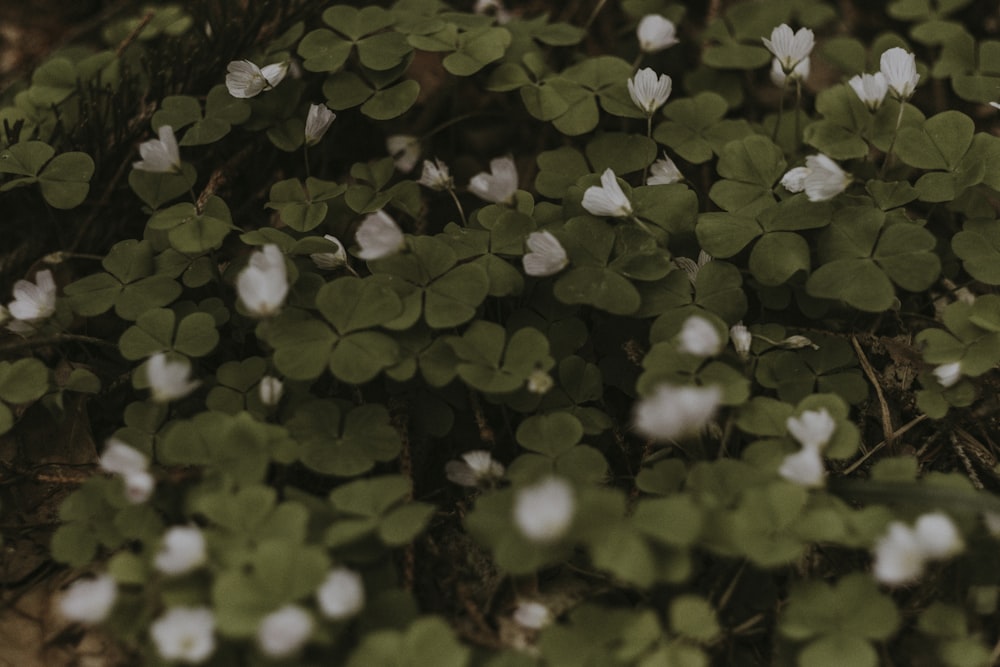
699	338
405	151
185	634
476	467
181	551
169	379
133	466
902	552
89	600
342	594
546	255
672	412
160	156
821	178
543	512
283	632
532	615
813	429
499	185
263	284
33	302
379	236
655	33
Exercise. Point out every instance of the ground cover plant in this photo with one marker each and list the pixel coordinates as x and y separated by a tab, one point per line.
617	333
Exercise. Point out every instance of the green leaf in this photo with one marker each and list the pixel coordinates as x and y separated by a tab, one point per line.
940	144
778	256
623	153
65	181
694	617
392	102
23	381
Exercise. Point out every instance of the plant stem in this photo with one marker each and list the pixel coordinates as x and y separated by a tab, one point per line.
305	159
458	205
593	15
781	111
892	144
798	106
649	135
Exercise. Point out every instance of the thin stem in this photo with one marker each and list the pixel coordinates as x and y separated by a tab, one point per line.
649	135
305	159
458	205
57	338
781	111
892	144
798	106
638	61
593	15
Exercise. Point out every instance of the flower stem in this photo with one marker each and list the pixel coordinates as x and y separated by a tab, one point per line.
798	106
458	205
649	135
892	144
593	15
305	159
637	61
781	111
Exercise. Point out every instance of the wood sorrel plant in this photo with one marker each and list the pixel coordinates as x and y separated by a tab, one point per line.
495	394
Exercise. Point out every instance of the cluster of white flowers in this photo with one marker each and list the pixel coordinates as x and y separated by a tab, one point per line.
699	338
379	236
182	550
902	552
33	303
160	156
245	79
498	185
813	429
476	467
263	284
89	600
544	511
897	74
545	256
672	412
821	178
169	378
655	33
648	91
133	466
607	199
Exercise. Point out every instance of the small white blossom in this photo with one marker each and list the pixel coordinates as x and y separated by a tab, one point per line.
664	172
181	551
546	257
799	73
89	600
899	558
185	634
499	11
948	374
244	79
938	536
475	467
121	459
379	236
532	615
499	185
33	302
607	199
742	339
655	33
169	379
263	284
283	632
138	487
543	512
899	67
342	594
788	47
270	390
870	89
699	338
328	261
672	411
821	178
995	105
649	92
436	176
804	468
813	428
540	382
318	121
160	156
405	151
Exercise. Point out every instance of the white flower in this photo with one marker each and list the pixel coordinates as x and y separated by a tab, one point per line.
121	459
699	338
799	73
33	301
185	634
499	185
899	67
742	339
182	550
546	257
138	487
649	92
544	511
664	172
500	12
477	466
342	594
379	236
436	176
672	412
540	382
405	151
160	156
283	632
938	536
805	467
532	615
244	79
607	199
89	600
813	428
168	379
949	374
789	48
270	389
870	89
263	284
655	33
995	105
821	178
318	121
328	261
899	558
